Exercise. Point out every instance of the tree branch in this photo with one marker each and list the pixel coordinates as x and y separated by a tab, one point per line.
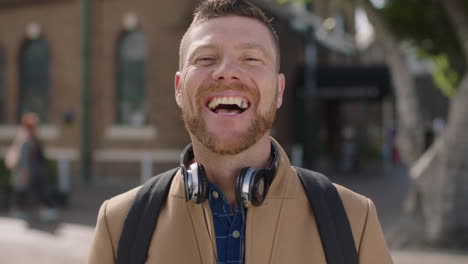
410	120
457	15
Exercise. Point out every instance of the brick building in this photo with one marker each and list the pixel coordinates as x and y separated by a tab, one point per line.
127	123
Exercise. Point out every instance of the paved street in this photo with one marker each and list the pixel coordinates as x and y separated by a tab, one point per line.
68	241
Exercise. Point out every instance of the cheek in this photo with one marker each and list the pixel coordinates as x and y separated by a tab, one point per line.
189	98
194	80
268	93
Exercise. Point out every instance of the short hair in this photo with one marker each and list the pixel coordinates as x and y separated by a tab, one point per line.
208	9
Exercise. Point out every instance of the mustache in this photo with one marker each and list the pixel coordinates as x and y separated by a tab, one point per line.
207	90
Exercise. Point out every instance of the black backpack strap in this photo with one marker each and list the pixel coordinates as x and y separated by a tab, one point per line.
142	217
330	215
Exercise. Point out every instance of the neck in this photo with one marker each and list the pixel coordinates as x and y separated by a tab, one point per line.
223	170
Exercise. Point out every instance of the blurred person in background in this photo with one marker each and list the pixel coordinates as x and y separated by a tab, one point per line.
235	198
26	159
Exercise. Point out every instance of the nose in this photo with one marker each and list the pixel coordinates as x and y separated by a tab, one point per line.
227	71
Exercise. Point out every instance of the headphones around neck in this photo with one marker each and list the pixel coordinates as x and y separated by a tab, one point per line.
252	184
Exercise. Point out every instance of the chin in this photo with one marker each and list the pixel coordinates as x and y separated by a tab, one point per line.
233	143
227	148
229	140
229	143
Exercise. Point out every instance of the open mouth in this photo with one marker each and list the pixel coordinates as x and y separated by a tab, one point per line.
228	105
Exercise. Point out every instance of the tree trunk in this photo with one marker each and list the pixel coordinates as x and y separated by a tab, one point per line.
440	175
410	122
441	181
457	15
410	136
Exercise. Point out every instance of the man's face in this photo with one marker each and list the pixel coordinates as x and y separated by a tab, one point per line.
228	87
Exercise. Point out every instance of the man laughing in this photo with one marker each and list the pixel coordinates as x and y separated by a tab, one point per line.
235	197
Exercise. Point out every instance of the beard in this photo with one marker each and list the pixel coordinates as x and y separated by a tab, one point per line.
257	129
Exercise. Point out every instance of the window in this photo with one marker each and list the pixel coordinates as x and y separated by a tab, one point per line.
2	86
34	79
131	69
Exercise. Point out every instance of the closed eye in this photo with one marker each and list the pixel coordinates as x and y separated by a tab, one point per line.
205	60
252	61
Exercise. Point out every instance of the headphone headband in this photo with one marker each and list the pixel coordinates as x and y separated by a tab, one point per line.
186	156
274	161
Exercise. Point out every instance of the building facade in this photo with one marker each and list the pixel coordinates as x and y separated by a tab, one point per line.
114	102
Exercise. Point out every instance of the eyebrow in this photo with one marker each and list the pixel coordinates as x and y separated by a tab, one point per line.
242	46
253	46
198	48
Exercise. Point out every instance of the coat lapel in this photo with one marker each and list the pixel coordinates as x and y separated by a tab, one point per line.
202	225
204	230
262	222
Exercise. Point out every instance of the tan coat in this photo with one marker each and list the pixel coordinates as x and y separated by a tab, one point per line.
280	231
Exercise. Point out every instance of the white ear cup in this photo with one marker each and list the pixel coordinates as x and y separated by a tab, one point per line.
194	187
244	188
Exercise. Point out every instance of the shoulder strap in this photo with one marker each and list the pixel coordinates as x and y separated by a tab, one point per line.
142	217
332	221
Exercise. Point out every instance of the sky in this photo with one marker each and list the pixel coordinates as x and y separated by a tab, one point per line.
364	30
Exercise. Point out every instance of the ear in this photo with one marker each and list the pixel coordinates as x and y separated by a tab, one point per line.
177	86
281	85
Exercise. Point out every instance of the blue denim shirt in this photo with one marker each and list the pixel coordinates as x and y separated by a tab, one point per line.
229	227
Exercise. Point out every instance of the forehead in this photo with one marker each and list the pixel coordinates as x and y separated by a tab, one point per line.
235	31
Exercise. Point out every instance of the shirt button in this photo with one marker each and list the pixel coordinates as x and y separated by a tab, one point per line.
236	234
215	194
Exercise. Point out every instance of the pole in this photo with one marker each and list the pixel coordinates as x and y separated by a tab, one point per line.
84	149
311	106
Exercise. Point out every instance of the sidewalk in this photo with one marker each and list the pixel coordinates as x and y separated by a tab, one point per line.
418	257
20	244
69	244
68	241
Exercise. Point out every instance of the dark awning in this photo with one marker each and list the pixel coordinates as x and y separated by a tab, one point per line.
351	82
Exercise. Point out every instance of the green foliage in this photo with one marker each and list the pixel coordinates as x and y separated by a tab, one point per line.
444	76
425	24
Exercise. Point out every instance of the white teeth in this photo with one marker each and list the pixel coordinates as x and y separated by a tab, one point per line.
212	105
243	104
240	102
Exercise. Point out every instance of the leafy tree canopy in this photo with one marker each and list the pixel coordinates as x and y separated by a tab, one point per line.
425	24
